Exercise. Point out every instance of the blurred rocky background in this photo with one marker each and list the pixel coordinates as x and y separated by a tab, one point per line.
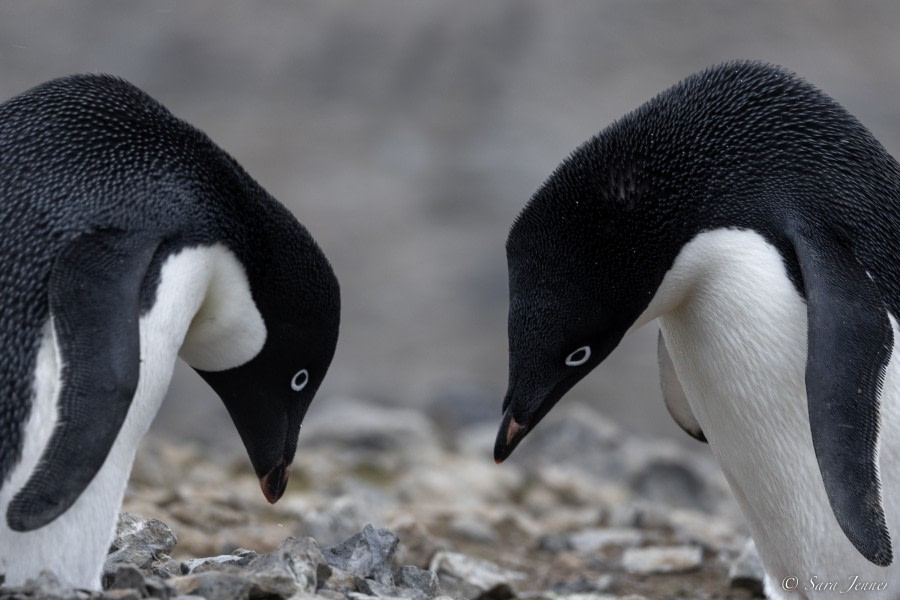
407	135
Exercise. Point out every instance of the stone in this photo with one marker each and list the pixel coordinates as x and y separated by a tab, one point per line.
702	528
124	594
165	567
340	581
367	554
139	542
125	577
238	558
662	559
747	572
584	586
373	588
471	527
214	584
45	586
589	541
415	578
590	596
329	523
294	568
417	543
673	481
465	576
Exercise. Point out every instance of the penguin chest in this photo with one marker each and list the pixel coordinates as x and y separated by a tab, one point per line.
74	544
736	328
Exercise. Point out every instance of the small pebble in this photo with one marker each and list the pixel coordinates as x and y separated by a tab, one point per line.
661	559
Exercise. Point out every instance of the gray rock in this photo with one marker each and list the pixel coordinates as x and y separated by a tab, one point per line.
591	596
342	518
747	570
294	568
464	576
589	541
126	594
128	580
214	584
662	559
126	577
372	588
674	481
340	581
473	527
45	586
238	558
584	585
367	554
165	567
139	542
418	579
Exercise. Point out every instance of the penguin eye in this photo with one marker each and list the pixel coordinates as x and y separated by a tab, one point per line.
579	357
300	379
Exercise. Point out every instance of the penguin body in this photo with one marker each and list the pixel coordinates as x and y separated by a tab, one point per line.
757	220
129	237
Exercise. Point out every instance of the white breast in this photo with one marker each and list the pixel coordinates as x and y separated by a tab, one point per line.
75	545
736	329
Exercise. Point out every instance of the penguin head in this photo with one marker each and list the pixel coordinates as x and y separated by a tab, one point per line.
263	340
582	266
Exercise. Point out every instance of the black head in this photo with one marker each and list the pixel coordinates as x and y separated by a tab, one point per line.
297	298
581	271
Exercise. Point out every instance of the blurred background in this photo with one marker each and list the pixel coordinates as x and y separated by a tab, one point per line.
406	135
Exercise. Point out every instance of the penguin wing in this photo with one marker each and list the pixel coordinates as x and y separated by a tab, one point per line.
94	297
673	393
849	345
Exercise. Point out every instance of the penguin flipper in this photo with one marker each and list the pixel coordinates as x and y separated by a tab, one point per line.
673	393
94	298
849	345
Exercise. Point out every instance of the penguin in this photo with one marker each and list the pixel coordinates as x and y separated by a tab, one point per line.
129	238
759	222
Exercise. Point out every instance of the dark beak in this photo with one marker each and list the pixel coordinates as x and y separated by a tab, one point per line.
274	482
508	437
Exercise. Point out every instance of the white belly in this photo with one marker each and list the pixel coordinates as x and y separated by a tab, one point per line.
75	545
737	337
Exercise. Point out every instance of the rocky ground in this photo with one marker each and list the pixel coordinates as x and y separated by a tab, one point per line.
389	502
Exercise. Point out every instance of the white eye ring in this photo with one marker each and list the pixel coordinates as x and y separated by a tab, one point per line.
299	380
579	357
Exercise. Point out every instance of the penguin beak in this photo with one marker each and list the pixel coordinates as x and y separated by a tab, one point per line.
508	437
531	409
274	482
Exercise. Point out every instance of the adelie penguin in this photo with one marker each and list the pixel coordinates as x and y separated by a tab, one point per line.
760	223
128	238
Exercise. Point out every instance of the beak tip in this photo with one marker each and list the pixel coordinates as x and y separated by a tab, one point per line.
508	438
274	483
